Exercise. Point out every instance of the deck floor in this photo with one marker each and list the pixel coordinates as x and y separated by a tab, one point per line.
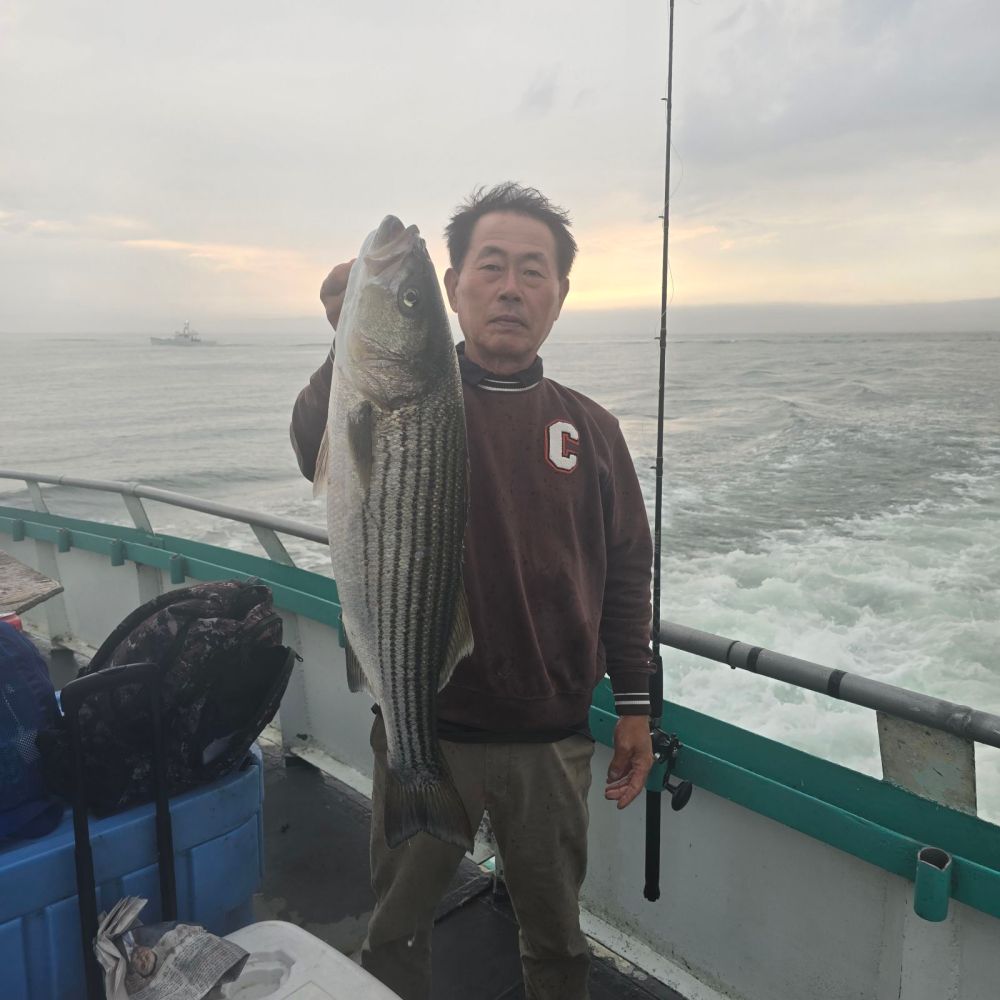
316	875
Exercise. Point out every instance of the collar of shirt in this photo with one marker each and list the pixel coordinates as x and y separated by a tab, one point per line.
472	374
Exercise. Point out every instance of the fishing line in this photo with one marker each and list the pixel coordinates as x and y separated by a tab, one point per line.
656	700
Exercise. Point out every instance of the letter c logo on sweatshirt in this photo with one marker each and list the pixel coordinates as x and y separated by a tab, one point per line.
561	446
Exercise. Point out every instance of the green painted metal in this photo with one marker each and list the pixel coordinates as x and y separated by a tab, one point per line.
868	818
932	886
296	590
17	530
178	568
871	819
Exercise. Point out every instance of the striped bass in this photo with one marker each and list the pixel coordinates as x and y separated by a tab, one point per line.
394	464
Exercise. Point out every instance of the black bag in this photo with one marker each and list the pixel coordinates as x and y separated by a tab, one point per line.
222	672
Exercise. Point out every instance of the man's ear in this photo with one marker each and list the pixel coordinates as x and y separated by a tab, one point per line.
450	284
563	292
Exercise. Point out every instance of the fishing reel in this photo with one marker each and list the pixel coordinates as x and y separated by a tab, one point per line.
666	746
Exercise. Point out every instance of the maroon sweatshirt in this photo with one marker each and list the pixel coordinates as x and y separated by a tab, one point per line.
558	555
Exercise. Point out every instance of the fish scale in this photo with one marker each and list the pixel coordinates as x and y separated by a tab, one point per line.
422	600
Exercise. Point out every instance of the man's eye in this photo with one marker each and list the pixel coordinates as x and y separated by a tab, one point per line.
533	274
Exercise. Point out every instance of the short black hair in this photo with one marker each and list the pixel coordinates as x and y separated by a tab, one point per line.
510	197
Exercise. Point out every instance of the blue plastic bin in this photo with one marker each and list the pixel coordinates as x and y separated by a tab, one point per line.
218	849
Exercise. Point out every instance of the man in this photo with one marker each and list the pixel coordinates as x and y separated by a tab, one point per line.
557	571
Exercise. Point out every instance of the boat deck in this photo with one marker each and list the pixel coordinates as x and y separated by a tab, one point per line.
316	875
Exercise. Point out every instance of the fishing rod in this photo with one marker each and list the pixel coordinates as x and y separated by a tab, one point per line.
665	746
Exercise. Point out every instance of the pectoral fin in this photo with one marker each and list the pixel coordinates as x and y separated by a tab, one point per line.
361	440
322	471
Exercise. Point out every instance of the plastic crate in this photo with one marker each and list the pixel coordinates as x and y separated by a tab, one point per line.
218	850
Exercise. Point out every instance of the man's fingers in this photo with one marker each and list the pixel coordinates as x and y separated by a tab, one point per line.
631	761
625	790
335	283
619	766
331	292
631	792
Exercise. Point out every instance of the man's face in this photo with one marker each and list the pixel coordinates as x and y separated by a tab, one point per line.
508	292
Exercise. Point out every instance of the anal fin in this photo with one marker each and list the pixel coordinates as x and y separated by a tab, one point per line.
356	679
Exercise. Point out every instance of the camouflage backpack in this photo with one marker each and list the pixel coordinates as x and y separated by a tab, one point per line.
223	672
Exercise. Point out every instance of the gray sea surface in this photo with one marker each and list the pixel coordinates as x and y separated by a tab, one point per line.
834	497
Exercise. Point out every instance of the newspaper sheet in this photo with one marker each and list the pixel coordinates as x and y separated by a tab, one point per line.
167	961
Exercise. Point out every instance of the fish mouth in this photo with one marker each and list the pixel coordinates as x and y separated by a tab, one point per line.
390	243
388	230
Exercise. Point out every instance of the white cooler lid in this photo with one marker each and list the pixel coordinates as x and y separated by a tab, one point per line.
288	962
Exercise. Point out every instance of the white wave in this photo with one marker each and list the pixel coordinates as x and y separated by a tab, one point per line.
908	598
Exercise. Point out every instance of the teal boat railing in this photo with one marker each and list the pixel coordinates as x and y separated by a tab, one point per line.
868	817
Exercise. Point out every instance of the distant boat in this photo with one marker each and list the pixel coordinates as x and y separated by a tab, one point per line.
183	338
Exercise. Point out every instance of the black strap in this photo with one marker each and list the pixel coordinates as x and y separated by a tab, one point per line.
833	682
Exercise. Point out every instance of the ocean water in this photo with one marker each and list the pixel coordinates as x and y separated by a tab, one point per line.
834	497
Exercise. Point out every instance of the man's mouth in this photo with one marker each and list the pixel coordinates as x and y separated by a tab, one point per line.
508	319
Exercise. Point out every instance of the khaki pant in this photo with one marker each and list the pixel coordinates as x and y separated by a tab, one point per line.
536	796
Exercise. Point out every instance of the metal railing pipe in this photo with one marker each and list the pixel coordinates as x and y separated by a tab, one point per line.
285	526
960	720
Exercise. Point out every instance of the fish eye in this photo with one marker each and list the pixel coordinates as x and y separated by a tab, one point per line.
409	298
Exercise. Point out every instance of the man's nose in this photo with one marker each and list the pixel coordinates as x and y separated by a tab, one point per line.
510	289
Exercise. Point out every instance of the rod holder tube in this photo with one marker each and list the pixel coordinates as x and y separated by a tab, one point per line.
932	884
652	888
178	569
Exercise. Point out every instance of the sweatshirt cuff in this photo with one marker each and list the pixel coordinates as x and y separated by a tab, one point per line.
631	691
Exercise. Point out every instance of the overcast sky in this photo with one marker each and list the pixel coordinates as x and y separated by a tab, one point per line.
211	160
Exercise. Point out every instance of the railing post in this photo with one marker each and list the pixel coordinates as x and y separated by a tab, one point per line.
929	762
35	491
272	545
138	513
56	615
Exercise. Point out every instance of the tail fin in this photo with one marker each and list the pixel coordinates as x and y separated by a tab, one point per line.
432	807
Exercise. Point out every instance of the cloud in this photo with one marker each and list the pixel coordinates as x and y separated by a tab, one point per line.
256	260
683	234
86	227
823	147
540	97
728	21
116	223
20	223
